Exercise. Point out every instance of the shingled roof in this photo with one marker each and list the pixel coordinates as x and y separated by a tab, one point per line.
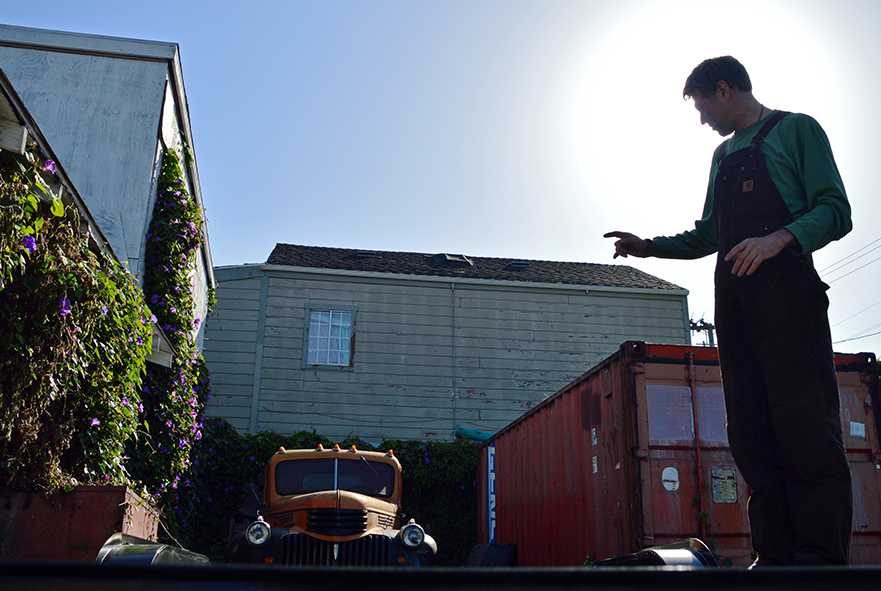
446	265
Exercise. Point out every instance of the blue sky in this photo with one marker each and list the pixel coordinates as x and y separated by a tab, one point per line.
496	128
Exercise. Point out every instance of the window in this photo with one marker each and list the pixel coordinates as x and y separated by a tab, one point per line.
329	340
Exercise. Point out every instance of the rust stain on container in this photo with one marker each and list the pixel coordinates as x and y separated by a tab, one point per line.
635	453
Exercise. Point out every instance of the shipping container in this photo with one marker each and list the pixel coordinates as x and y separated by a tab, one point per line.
634	453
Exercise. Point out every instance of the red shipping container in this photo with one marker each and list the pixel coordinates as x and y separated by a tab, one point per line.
634	453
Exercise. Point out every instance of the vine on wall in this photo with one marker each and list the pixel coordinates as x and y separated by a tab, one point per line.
74	336
174	397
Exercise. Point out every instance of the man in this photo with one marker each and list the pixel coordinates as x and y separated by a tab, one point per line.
774	196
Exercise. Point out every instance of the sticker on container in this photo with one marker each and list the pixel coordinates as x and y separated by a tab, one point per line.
595	464
724	482
857	429
594	438
670	479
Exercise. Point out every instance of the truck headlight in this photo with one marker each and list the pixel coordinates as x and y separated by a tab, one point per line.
258	532
412	535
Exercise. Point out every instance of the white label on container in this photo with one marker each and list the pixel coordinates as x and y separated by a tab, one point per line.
857	429
595	464
670	479
594	437
724	483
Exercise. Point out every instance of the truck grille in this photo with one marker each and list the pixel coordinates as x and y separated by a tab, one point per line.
302	550
337	522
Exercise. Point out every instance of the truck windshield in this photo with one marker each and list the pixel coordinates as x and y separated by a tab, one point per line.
358	475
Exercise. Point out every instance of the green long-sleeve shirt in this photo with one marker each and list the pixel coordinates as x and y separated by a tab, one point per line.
800	163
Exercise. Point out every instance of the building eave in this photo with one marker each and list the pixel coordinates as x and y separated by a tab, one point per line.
468	280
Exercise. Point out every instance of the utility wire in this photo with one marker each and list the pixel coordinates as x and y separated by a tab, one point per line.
851	272
871	334
862	248
853	260
869	307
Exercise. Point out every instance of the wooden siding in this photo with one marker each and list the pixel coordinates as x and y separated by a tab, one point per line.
428	356
230	341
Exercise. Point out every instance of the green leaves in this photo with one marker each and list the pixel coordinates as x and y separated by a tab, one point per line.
57	207
59	372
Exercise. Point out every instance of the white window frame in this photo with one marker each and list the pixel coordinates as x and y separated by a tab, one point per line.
332	309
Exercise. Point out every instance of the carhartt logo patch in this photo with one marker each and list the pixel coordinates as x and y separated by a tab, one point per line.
747	185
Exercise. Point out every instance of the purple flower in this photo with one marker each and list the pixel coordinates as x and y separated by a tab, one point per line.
193	402
197	321
94	422
181	443
104	310
64	306
173	310
139	340
177	193
30	244
154	298
141	407
50	166
168	423
153	318
145	389
125	401
198	435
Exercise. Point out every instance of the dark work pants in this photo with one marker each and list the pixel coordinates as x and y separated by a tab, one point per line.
781	395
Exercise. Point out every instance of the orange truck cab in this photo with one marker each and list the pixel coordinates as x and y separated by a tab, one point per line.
327	507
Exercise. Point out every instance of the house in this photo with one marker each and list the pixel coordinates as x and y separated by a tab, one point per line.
109	107
414	346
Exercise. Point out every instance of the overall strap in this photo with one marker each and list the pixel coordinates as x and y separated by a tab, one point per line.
768	126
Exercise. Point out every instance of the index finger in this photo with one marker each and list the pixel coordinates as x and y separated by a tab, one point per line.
615	234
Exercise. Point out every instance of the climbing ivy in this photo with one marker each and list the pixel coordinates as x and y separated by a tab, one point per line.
74	336
174	397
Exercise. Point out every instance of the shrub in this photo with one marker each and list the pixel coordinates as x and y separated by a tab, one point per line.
439	486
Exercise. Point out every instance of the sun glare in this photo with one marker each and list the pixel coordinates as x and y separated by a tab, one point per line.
626	133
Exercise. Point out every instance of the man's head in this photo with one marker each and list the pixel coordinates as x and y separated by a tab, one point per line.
720	88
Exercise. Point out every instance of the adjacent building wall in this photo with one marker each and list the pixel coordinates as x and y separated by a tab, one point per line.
429	355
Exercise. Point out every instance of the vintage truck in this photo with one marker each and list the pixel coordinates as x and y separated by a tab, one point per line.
333	506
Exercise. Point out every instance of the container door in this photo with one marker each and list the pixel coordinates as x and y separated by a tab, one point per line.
860	437
678	502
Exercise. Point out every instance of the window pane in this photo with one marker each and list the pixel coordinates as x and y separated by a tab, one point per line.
329	337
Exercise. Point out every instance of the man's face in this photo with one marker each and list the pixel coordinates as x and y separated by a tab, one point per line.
716	109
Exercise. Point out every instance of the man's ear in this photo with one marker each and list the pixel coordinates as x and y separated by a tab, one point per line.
723	89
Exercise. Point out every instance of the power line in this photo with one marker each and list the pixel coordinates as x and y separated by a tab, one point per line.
853	260
869	307
871	334
862	248
851	272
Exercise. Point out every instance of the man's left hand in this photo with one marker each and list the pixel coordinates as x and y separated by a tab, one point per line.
752	252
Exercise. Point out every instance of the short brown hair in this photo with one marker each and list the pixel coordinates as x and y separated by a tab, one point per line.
704	79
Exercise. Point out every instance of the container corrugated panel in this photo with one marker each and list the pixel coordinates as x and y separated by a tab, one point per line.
634	453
